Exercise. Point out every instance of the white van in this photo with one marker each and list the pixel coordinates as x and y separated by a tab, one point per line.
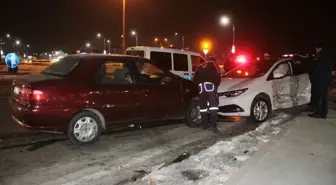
179	62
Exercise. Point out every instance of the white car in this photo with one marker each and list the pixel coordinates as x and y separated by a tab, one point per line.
257	88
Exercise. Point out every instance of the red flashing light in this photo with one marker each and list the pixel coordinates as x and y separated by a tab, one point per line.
246	73
241	59
239	71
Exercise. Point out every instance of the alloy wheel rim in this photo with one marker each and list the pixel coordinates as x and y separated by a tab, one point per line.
85	129
260	110
196	115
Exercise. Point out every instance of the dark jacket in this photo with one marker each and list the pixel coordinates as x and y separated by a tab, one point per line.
207	72
322	72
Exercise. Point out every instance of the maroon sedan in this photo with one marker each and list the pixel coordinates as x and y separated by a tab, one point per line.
84	95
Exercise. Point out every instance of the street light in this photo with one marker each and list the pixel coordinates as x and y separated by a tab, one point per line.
224	21
17	42
88	45
182	39
166	40
8	35
156	40
109	44
134	33
27	46
206	45
99	36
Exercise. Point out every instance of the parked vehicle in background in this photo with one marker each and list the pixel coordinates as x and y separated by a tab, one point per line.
256	88
179	62
85	95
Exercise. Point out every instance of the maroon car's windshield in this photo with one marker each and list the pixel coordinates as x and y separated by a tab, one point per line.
63	67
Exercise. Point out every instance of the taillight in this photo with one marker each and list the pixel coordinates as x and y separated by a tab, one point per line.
38	95
32	95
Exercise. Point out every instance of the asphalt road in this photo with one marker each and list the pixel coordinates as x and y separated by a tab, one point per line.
124	155
52	159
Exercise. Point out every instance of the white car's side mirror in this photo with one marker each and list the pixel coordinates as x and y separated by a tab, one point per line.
277	75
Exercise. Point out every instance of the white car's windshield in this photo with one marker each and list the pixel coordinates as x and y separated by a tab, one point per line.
138	53
252	69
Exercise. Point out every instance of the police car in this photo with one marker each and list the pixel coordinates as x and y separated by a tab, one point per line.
256	88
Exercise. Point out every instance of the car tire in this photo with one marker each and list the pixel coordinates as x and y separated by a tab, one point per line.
193	117
85	127
266	108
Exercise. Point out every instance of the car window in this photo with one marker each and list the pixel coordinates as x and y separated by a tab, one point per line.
138	53
196	61
301	66
162	58
150	74
62	67
180	62
253	69
115	72
283	69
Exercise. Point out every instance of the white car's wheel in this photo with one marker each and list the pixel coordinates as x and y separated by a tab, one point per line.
85	127
260	109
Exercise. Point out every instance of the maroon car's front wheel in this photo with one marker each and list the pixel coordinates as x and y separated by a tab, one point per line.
85	127
193	117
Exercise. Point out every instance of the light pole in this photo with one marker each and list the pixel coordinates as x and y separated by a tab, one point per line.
28	46
156	40
123	26
224	21
99	36
134	33
109	48
2	42
182	36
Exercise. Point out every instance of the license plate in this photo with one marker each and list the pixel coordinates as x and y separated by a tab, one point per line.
16	90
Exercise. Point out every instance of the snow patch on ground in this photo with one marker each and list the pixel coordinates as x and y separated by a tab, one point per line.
215	165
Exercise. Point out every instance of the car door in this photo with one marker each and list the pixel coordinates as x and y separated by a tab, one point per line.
165	91
181	65
284	86
301	72
118	96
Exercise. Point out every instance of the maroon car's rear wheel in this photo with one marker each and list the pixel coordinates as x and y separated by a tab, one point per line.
85	127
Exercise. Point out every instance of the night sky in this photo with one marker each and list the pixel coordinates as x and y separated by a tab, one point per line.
262	26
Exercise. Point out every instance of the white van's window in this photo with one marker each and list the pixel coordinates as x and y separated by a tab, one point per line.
138	53
180	62
196	61
161	58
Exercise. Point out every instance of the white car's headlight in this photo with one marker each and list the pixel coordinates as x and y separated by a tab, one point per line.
232	93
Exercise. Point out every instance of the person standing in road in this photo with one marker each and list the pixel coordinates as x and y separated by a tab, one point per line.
207	77
321	79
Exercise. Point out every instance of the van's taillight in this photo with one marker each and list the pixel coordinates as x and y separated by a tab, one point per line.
32	95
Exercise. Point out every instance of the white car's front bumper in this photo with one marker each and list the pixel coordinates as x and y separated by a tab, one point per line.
235	106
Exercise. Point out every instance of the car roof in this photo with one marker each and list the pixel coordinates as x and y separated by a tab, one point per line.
161	49
98	56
